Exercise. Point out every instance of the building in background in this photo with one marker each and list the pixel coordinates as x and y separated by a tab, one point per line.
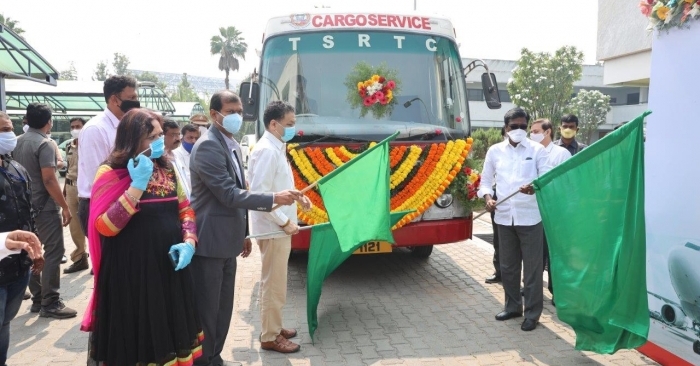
628	100
202	85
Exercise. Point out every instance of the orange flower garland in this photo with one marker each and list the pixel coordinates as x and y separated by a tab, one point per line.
419	175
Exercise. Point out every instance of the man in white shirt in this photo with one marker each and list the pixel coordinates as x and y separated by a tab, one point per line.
541	131
190	135
514	164
269	171
98	135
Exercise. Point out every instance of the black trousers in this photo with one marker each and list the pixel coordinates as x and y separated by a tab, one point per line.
547	264
496	260
84	213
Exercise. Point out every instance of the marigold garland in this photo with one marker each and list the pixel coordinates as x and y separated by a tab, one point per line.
419	175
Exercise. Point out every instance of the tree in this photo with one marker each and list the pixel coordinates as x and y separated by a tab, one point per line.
185	92
591	107
101	73
120	64
69	74
229	46
149	76
542	84
11	24
483	139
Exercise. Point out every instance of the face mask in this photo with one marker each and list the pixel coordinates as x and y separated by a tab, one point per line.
8	141
25	128
128	105
187	146
517	135
289	133
232	123
75	133
568	133
157	148
537	137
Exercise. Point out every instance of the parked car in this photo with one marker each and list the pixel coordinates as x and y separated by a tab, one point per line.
62	146
247	144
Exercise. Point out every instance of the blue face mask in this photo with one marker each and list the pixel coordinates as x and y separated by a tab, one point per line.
232	123
157	148
289	133
188	146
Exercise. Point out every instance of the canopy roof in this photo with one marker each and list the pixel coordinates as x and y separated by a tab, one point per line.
18	60
71	96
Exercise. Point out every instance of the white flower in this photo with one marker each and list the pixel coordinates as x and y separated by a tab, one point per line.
695	12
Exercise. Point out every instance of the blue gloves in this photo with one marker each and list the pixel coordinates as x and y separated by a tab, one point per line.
141	173
185	251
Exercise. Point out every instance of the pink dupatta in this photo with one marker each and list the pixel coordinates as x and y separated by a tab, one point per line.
105	191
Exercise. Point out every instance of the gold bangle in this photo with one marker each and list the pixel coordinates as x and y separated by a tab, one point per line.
132	198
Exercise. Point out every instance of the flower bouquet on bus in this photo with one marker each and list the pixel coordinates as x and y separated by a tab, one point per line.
465	186
372	89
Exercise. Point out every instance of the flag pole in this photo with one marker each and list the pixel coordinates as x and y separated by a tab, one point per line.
308	188
277	232
498	203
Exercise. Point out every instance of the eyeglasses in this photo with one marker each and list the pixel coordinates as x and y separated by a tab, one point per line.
515	127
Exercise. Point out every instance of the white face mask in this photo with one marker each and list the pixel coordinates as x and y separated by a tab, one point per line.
517	135
25	128
536	137
75	133
8	141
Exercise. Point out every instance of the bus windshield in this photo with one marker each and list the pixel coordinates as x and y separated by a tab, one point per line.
311	72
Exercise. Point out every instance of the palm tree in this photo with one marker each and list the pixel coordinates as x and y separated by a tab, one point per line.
11	24
229	46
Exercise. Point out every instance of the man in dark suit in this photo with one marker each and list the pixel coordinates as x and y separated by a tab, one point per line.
221	203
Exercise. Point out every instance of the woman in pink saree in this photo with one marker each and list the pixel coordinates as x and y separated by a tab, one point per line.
142	310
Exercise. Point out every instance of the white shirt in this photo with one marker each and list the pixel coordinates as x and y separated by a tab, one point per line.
556	154
511	168
4	252
181	160
96	143
269	171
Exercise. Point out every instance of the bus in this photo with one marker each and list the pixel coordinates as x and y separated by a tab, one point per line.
356	78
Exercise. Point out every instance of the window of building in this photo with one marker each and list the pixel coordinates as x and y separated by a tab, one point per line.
613	100
475	95
505	97
632	98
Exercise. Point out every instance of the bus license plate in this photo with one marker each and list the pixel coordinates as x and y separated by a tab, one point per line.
374	247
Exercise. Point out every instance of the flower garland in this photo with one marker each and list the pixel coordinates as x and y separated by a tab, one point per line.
465	186
666	14
419	175
372	89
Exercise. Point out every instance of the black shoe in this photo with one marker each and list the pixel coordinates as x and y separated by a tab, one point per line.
79	265
27	295
36	307
528	325
493	279
57	310
505	315
64	259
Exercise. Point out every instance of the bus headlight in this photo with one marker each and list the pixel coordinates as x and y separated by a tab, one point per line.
444	201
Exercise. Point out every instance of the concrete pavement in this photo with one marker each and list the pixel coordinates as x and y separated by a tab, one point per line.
380	309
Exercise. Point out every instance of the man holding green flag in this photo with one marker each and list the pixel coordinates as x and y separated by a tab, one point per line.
597	240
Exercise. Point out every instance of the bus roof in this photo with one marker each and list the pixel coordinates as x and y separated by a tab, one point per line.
326	21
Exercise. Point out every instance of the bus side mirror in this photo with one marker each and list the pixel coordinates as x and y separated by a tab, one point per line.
249	93
490	86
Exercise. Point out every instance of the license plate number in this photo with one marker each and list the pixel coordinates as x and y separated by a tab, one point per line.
374	247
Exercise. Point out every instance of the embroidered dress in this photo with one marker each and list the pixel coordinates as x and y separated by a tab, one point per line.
145	311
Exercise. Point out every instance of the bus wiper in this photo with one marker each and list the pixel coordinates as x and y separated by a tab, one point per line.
326	137
423	136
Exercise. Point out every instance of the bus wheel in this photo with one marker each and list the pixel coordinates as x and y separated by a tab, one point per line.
422	251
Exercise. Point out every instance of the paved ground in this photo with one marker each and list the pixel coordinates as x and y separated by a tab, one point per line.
375	309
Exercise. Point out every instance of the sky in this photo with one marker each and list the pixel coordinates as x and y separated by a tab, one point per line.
164	36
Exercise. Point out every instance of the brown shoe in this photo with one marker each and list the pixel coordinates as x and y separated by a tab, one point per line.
281	345
288	333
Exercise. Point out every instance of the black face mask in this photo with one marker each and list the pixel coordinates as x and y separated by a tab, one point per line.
128	105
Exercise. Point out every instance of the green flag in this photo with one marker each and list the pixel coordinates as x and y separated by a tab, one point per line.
325	255
356	196
592	208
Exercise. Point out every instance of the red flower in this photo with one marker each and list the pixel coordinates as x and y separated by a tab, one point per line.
367	101
373	98
379	94
467	170
382	79
362	93
383	101
391	84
